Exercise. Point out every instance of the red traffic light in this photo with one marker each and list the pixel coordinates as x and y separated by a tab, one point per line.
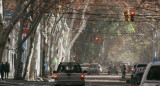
132	13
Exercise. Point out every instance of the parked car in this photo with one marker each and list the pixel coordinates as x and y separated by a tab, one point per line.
84	66
94	68
138	77
138	68
69	73
112	70
151	75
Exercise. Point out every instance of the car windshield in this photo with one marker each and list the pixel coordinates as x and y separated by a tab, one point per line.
69	69
141	65
93	66
154	73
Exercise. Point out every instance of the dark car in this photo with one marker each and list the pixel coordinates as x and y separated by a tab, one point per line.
112	70
138	77
69	73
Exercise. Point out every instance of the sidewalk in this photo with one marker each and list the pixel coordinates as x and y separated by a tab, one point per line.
11	82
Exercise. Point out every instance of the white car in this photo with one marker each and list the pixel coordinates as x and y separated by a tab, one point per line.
151	76
138	68
69	73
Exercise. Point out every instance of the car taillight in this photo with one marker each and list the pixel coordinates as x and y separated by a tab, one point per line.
135	70
82	76
55	76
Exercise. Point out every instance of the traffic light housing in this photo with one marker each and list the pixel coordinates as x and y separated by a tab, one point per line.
126	14
132	14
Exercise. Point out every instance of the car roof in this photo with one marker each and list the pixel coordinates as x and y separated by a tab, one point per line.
69	63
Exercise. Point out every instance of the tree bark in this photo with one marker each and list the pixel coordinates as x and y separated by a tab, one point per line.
33	71
28	57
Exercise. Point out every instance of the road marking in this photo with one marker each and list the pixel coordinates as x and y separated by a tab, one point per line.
104	81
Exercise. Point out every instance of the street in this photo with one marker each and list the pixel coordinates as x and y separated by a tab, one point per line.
91	80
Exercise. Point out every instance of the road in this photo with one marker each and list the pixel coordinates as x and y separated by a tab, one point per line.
105	80
91	80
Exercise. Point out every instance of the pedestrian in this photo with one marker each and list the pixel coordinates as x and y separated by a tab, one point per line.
2	70
6	69
123	71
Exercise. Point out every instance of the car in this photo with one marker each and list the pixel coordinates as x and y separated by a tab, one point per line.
138	77
112	70
94	68
137	68
69	73
84	66
151	76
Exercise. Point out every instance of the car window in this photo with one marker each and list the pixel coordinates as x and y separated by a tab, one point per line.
93	66
154	73
139	75
69	69
141	65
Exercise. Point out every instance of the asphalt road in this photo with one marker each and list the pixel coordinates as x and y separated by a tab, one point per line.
91	80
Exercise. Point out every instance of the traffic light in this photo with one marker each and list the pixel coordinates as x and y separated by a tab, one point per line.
126	14
132	14
98	38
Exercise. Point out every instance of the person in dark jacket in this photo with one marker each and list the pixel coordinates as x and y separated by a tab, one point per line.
6	69
2	70
123	71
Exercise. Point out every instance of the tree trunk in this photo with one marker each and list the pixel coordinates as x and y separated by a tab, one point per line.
82	27
33	69
28	57
19	67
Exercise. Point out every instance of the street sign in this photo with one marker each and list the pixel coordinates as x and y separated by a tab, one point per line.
155	60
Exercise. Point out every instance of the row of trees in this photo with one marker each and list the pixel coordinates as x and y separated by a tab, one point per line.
57	25
50	37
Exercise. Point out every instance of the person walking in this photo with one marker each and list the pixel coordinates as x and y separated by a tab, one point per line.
2	70
123	71
6	70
